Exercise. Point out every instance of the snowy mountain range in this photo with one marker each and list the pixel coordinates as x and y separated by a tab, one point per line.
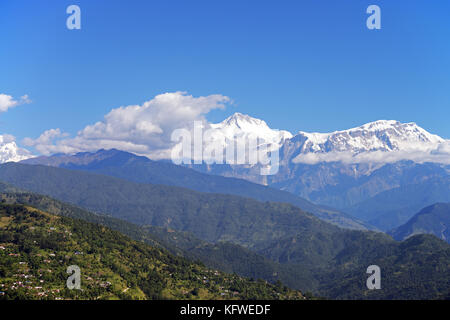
369	142
349	169
385	161
382	135
382	141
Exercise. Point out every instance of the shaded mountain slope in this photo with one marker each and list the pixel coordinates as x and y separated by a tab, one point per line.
332	261
211	217
134	168
434	219
392	208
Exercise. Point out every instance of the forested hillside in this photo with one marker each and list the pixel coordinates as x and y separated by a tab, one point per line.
224	256
329	262
37	247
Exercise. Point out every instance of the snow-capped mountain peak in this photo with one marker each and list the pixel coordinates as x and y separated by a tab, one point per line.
241	125
242	122
239	119
381	135
379	125
408	131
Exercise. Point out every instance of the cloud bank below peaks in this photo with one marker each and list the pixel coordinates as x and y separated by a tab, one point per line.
441	154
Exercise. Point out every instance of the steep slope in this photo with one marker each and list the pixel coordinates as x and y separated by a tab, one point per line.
143	170
37	247
434	219
392	208
416	268
344	185
227	257
381	135
321	258
211	217
343	168
240	126
391	139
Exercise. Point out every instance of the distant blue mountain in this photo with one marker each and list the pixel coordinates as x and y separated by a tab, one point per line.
434	219
390	209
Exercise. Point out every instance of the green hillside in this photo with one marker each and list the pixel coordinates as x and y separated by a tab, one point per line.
416	268
37	247
328	264
281	241
227	257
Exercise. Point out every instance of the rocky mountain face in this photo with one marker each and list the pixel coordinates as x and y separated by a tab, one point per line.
382	135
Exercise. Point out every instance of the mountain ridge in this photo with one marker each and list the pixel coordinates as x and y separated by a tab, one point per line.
140	169
379	135
341	169
334	260
434	219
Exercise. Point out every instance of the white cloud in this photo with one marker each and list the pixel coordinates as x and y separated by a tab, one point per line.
440	154
9	151
143	129
45	142
7	138
8	102
146	129
443	149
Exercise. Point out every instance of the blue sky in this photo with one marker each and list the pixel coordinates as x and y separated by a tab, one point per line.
299	65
